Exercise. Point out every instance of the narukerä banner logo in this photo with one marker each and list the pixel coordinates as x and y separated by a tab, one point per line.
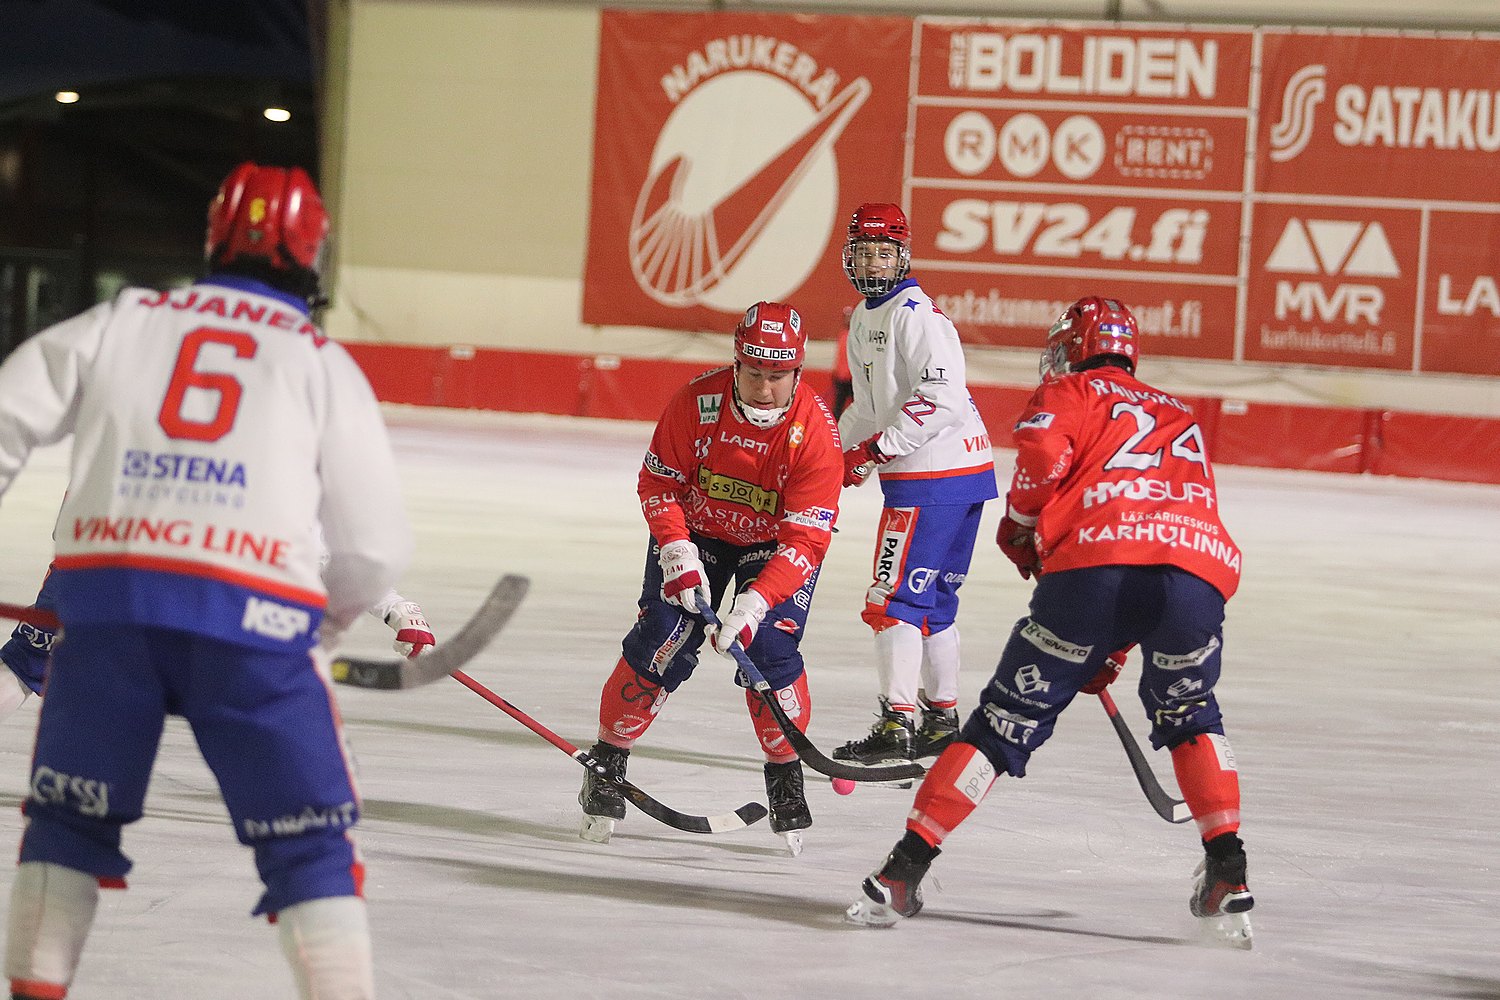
742	191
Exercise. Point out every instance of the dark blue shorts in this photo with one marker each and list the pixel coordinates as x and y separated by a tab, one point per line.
29	646
1077	619
265	723
663	646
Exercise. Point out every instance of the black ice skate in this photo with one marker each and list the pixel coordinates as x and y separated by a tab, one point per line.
890	739
893	892
602	802
938	728
788	802
1221	898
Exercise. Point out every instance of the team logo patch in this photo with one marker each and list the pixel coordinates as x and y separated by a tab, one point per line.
722	487
275	621
1196	658
657	467
1029	680
820	518
708	408
1050	644
1037	421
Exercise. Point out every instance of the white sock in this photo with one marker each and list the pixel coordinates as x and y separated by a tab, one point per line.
327	942
940	662
51	911
898	657
12	693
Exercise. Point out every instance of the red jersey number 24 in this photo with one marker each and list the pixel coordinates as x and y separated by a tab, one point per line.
1187	445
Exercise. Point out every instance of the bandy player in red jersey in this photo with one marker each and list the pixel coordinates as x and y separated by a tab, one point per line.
1114	510
740	485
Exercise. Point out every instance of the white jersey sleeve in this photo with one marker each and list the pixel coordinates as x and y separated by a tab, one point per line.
364	539
857	422
39	387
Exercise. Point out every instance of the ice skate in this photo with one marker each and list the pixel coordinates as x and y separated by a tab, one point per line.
1221	898
889	741
602	802
938	728
892	892
788	801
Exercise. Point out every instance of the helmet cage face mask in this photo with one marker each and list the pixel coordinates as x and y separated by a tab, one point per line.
874	286
1090	328
881	224
1054	360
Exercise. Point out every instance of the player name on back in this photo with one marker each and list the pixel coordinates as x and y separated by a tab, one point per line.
231	306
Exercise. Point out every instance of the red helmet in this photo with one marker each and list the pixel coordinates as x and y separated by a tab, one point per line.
270	214
1090	328
770	336
884	222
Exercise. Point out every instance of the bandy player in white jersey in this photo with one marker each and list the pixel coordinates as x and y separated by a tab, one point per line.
913	420
203	592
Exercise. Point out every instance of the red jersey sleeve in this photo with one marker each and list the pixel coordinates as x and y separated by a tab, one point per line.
663	479
1046	437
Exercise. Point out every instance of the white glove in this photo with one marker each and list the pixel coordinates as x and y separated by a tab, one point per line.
684	580
741	623
413	634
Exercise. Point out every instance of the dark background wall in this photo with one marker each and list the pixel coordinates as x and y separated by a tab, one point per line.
111	190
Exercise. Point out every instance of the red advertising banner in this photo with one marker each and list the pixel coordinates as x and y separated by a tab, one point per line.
1052	161
1375	122
1177	321
1345	214
1060	146
1461	299
1083	63
1380	116
729	152
1333	285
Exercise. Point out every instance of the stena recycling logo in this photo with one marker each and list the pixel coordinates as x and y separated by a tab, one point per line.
1304	91
742	190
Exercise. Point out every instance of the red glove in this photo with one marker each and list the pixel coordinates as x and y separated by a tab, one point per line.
1113	664
1018	542
860	460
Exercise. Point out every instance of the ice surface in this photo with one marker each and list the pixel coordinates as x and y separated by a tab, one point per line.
1362	695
